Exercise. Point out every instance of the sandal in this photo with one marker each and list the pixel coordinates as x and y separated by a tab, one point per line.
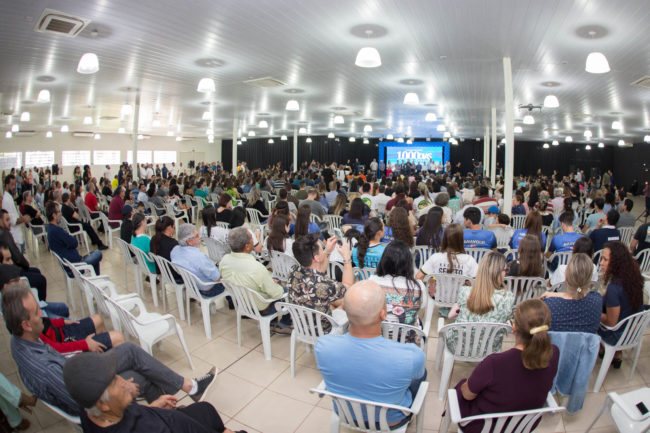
616	363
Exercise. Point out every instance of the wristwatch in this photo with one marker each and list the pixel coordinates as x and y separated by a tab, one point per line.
345	262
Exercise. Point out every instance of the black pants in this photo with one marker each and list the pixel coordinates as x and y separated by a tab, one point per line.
206	415
94	238
37	281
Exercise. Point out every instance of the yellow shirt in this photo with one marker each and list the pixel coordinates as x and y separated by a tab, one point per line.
114	183
242	269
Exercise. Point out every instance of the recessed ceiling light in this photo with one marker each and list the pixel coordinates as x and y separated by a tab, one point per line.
352	139
518	129
244	139
65	128
646	138
209	62
88	64
155	123
141	137
8	134
251	133
292	105
367	128
169	133
621	142
88	120
43	96
179	138
207	115
555	143
126	110
588	134
430	117
588	147
238	142
25	116
441	128
447	134
550	84
206	85
389	136
529	120
263	124
48	134
400	140
411	98
270	141
338	119
97	136
597	63
294	91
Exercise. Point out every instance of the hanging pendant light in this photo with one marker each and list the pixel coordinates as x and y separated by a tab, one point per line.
616	125
65	128
555	143
597	63
545	146
568	139
646	138
126	110
368	57
179	138
292	105
244	139
15	127
251	133
206	85
430	117
283	137
550	101
338	120
400	140
207	115
270	141
352	139
621	142
601	145
529	120
97	136
411	98
447	134
518	129
25	116
43	96
88	64
122	130
263	124
367	128
441	128
308	140
302	130
330	135
88	120
48	134
588	147
588	134
8	134
389	136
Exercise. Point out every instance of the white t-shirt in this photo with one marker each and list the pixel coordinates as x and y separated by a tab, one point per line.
9	205
464	264
559	275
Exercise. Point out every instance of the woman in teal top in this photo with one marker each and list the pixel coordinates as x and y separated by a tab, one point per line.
140	240
369	249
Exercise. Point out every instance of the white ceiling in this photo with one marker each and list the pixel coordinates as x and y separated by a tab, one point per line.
451	50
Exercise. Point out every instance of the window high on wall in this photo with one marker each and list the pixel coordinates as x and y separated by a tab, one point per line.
164	156
39	159
106	157
72	158
9	160
144	157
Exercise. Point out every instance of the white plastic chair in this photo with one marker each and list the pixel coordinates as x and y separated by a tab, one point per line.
351	412
474	341
75	421
506	422
313	218
103	281
596	259
38	231
364	273
447	286
525	287
477	253
244	300
223	224
171	213
129	262
255	217
403	333
282	265
97	292
83	268
333	268
333	221
517	221
562	257
307	326
108	229
420	255
626	234
216	249
148	328
192	291
511	255
187	201
503	238
167	278
632	337
643	258
624	411
141	258
86	216
80	234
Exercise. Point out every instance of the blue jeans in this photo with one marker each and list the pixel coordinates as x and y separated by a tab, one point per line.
214	291
56	310
93	260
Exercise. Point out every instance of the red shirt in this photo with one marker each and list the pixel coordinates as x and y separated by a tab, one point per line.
392	202
91	202
115	209
53	336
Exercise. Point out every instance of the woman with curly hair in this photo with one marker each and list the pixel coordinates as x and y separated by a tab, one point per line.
624	294
398	221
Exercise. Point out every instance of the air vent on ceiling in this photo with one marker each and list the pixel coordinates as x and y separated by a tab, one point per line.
87	134
265	82
60	23
642	82
23	133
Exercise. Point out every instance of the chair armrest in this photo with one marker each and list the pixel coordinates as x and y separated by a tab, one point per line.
441	324
318	389
612	328
421	395
84	267
550	401
162	318
452	406
625	407
130	303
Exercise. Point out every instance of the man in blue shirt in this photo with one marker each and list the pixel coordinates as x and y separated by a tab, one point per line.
473	235
64	244
188	256
597	215
364	365
605	230
517	205
563	242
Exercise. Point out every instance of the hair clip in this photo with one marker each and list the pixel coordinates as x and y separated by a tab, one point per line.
537	329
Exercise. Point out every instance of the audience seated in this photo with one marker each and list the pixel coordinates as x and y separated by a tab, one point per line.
63	243
529	259
400	226
532	226
364	365
369	249
303	224
16	221
431	232
141	240
517	379
579	308
597	215
605	230
41	367
474	236
224	211
126	228
312	200
116	205
358	213
9	274
188	256
278	239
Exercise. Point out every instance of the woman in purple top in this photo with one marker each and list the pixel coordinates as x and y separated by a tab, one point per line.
517	379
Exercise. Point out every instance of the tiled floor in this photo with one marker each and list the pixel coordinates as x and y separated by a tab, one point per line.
261	396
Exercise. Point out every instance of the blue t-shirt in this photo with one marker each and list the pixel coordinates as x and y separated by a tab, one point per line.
570	315
519	210
592	220
375	369
564	242
519	234
615	296
479	239
373	255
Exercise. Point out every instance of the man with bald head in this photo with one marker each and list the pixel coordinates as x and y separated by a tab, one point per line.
362	364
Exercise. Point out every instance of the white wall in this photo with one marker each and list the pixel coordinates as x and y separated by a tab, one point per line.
121	142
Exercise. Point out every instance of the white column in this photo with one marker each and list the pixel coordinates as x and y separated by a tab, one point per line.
486	152
235	127
295	149
510	142
136	128
493	158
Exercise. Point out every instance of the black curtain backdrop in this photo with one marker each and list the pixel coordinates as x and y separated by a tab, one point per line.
626	163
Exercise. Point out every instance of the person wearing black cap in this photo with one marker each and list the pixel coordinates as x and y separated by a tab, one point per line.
41	367
107	400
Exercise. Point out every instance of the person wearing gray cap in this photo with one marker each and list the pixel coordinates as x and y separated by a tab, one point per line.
41	367
107	400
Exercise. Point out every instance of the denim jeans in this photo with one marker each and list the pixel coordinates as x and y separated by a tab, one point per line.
214	291
93	259
56	310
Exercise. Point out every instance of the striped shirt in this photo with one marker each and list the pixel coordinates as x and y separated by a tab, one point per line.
41	369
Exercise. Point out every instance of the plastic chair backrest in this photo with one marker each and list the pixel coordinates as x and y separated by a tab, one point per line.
333	221
190	280
563	257
332	270
71	419
314	219
126	318
282	265
364	273
66	272
307	322
477	253
141	258
420	255
254	216
474	340
596	260
244	300
125	248
633	328
216	249
503	238
525	287
223	224
517	221
97	295
165	267
447	286
403	333
643	257
626	234
511	255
